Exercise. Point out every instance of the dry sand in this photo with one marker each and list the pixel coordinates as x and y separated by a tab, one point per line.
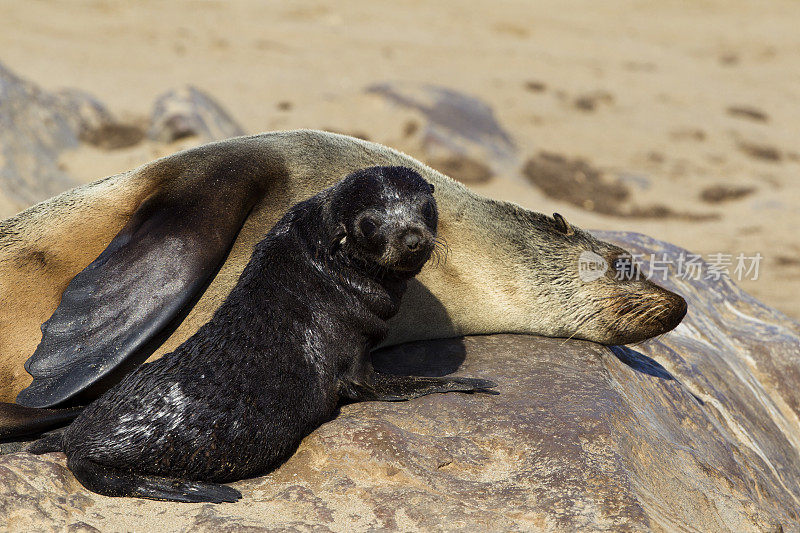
686	102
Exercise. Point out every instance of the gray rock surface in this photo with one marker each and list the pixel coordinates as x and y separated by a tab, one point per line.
695	431
35	127
460	134
189	112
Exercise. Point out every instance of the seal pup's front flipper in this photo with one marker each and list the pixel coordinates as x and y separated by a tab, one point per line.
394	388
47	444
19	421
166	253
111	481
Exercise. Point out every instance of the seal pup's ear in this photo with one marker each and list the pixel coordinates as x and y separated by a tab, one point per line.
432	187
563	225
338	239
159	261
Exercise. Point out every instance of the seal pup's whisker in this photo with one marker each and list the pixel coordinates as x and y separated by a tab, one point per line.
441	251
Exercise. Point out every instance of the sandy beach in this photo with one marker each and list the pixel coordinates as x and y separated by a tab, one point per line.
674	119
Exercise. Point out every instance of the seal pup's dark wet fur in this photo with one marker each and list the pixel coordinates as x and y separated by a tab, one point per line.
289	344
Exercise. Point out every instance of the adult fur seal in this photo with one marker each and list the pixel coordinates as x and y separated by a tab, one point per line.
291	340
131	266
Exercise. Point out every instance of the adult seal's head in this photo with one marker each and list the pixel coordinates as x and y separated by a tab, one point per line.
591	289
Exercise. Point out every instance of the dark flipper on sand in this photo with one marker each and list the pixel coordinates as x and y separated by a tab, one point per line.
156	264
19	421
113	482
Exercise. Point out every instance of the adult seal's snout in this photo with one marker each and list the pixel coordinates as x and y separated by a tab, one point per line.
679	308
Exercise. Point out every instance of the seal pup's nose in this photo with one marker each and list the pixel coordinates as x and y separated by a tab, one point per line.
412	240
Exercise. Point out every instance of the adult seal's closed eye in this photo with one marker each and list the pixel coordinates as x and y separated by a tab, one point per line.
131	266
290	341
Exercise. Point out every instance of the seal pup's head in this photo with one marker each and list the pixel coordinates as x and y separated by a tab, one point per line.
386	219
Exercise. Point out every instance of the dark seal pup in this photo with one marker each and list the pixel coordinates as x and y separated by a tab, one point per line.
289	343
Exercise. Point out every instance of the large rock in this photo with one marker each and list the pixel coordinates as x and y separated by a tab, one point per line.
460	134
697	430
189	112
35	127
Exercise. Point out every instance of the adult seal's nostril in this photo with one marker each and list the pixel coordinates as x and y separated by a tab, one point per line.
412	240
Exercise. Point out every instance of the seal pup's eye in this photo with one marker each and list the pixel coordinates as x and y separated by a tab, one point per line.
432	187
368	226
563	225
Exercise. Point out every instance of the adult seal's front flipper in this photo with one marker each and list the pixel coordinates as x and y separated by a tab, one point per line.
155	265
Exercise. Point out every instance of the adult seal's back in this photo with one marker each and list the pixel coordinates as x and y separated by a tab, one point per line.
129	267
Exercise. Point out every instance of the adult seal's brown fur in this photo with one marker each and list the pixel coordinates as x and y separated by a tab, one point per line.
144	258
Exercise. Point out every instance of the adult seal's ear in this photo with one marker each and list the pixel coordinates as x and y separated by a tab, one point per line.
160	259
563	225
